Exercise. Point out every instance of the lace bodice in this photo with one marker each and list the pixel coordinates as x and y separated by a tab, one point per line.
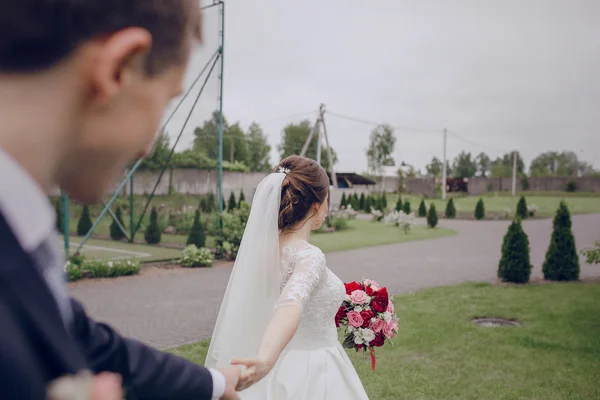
308	284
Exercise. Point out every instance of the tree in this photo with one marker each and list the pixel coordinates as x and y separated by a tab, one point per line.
399	204
434	168
232	202
480	209
60	219
362	201
157	159
242	199
422	209
381	148
552	163
292	141
152	234
258	149
483	164
432	218
562	260
344	202
522	211
450	209
514	264
235	146
464	166
115	231
502	167
85	222
406	207
197	236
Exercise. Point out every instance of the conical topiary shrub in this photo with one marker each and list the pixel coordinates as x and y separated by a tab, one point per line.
60	218
344	202
399	204
514	264
152	234
369	204
223	205
197	236
406	207
204	205
211	203
562	260
480	209
432	218
450	209
522	208
232	202
354	202
362	201
422	209
242	199
384	201
85	222
115	231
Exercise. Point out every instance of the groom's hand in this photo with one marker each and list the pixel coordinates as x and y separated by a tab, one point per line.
232	376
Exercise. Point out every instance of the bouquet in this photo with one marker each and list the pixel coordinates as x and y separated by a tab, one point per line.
366	317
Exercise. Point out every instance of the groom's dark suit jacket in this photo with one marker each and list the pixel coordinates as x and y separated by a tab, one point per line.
36	347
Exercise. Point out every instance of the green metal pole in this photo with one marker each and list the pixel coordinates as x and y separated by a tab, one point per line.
131	223
65	206
220	160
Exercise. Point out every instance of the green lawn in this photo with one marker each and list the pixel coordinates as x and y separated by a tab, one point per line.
547	205
366	234
440	354
110	250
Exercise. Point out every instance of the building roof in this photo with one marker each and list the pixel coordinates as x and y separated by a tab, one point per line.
352	178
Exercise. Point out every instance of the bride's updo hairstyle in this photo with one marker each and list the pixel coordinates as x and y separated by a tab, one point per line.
306	184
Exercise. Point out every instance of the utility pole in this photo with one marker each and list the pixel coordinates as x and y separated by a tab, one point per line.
321	134
514	174
444	172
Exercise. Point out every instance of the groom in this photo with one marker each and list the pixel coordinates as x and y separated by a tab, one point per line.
83	85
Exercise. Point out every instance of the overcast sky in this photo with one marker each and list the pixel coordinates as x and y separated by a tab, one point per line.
498	74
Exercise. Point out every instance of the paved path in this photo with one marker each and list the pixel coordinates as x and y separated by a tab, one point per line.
171	307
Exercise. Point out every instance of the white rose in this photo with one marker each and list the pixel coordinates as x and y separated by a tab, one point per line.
358	340
347	297
368	335
387	317
358	309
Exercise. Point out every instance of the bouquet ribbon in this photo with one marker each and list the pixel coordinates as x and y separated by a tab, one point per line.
373	359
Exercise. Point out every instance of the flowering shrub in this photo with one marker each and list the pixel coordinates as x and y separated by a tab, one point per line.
196	257
230	237
377	215
532	210
345	212
401	219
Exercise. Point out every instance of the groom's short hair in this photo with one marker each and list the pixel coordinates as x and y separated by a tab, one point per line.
37	34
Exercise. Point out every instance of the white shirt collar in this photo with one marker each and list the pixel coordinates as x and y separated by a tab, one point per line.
24	205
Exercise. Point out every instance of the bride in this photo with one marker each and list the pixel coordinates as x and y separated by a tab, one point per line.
277	316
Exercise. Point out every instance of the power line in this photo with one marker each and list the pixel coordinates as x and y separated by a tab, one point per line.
372	123
476	144
286	118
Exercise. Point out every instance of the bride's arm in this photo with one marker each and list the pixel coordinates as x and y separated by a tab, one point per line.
285	319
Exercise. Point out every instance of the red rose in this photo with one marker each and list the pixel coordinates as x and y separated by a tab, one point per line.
366	316
352	286
369	291
378	341
341	314
380	300
359	347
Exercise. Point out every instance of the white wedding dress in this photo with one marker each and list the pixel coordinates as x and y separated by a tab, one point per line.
314	365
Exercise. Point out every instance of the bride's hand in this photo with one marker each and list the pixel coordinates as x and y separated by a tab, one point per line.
255	370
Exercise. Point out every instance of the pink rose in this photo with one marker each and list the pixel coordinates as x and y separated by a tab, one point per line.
390	308
389	329
377	325
373	284
358	297
354	319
